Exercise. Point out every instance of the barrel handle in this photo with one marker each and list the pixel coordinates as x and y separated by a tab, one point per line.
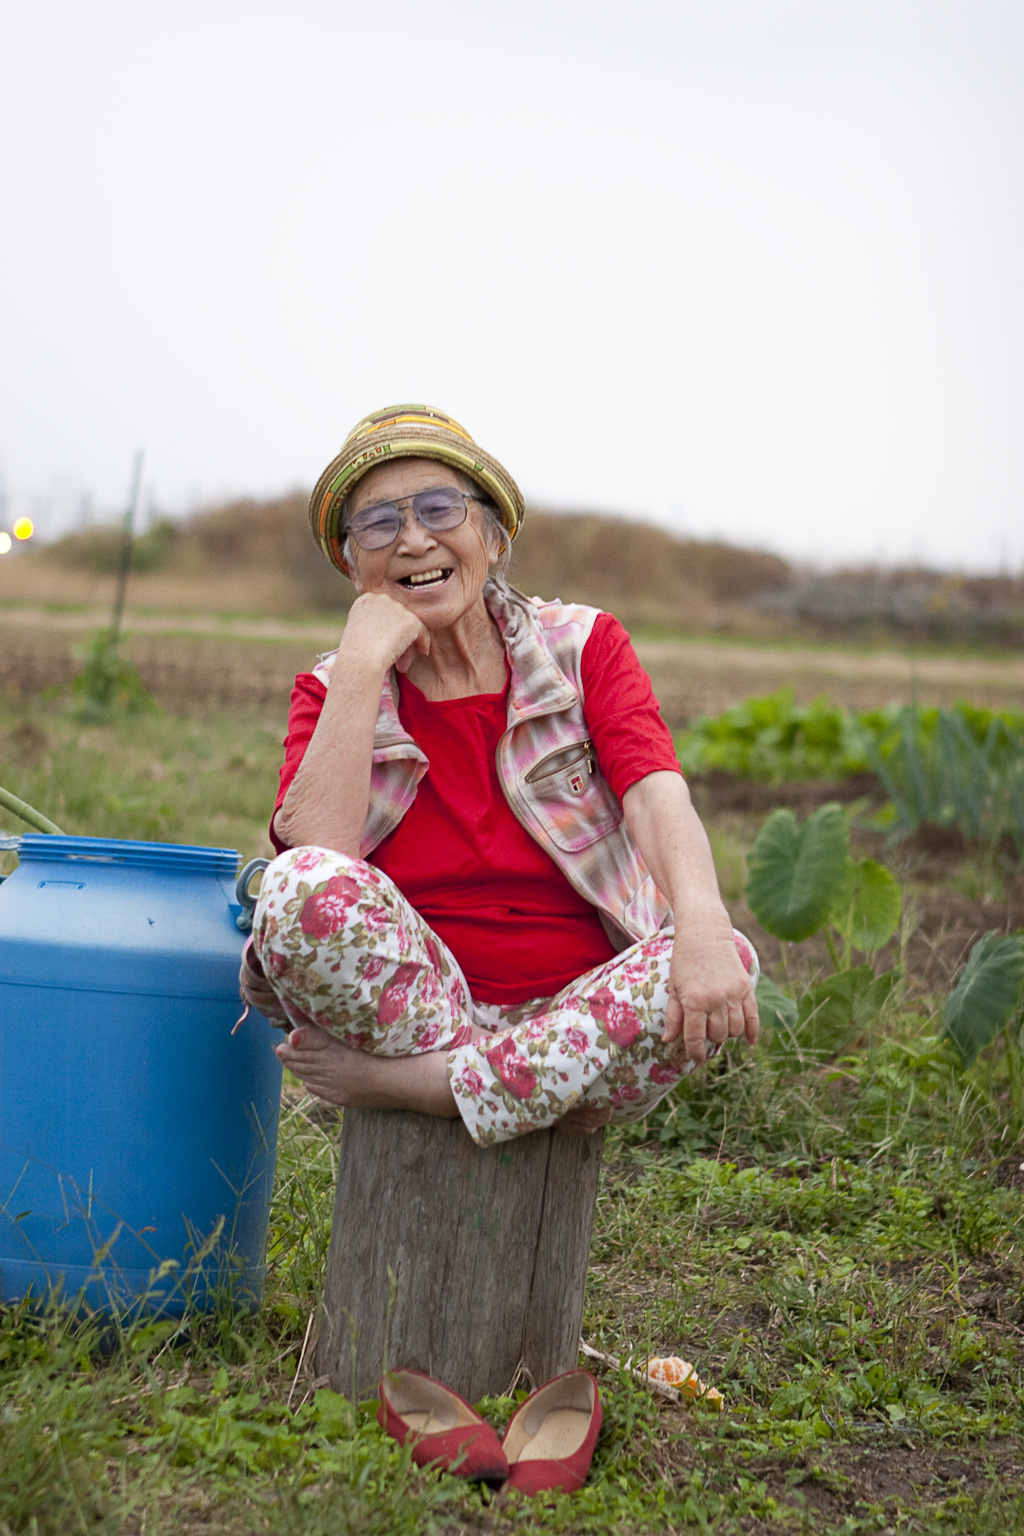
245	901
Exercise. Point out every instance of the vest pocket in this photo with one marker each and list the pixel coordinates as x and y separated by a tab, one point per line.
578	756
571	798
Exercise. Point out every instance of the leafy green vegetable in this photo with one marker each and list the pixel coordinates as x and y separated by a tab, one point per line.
987	996
797	872
868	909
828	1014
802	878
959	767
774	739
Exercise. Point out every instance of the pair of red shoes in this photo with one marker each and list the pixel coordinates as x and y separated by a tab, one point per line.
548	1444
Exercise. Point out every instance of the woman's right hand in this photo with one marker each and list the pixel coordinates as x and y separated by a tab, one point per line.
328	798
380	632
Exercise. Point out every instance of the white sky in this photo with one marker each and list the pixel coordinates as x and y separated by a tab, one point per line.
753	268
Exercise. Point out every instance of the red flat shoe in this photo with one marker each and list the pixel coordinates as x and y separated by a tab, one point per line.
550	1440
446	1432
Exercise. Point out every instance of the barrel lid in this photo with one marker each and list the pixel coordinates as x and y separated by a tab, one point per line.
179	858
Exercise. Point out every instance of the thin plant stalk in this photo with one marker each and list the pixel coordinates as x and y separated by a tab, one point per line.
126	552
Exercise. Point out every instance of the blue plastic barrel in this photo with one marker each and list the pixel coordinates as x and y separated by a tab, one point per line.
137	1134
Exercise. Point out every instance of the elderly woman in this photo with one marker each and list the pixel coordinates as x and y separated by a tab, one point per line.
493	897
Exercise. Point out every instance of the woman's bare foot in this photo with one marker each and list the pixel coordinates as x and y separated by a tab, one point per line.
320	1062
357	1079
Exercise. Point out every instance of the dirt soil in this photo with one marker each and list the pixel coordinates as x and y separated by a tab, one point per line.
887	1468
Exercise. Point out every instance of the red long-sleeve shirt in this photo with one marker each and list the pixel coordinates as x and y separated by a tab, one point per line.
517	927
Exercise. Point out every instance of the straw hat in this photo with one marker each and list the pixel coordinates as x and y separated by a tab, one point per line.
406	431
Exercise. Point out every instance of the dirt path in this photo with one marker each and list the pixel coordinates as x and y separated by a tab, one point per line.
187	657
321	630
694	677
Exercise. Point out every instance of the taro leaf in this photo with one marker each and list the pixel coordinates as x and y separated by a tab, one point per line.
830	1012
867	910
776	1010
796	873
987	995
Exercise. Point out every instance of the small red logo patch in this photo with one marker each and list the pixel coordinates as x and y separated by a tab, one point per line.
577	783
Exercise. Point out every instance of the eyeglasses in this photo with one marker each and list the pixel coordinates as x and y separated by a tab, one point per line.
378	526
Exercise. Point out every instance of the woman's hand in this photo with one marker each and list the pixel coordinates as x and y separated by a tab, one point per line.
255	989
328	798
381	633
711	997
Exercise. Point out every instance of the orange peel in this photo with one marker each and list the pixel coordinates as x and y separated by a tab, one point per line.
678	1373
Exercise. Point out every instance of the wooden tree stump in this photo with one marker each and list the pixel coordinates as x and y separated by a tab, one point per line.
464	1262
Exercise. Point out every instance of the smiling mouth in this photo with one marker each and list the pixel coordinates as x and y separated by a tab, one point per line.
420	579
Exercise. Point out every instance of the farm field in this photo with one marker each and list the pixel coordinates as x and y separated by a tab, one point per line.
191	658
834	1239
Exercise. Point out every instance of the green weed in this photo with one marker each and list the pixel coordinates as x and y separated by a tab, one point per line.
108	686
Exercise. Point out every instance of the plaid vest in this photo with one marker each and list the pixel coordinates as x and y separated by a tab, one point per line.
546	763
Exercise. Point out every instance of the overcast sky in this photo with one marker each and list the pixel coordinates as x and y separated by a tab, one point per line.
751	268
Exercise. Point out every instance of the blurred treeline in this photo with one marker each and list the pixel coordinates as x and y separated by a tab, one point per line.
646	575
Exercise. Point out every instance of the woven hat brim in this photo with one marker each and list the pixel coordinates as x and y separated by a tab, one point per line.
362	454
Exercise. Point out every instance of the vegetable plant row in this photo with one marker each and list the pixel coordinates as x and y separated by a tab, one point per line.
959	767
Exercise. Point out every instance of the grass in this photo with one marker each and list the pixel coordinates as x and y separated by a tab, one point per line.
838	1249
208	779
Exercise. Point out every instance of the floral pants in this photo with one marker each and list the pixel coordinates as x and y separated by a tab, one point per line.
343	948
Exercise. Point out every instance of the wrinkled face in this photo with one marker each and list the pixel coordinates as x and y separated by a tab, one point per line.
439	576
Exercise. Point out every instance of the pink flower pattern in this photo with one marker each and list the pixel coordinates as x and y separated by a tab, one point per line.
472	1082
515	1075
341	945
308	859
621	1022
394	998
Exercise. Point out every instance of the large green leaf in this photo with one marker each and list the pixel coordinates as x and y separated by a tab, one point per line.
777	1011
987	995
796	873
868	908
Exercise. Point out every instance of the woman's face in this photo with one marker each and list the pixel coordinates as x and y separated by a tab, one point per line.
458	559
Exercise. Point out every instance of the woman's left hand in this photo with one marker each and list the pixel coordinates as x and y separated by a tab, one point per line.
711	997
